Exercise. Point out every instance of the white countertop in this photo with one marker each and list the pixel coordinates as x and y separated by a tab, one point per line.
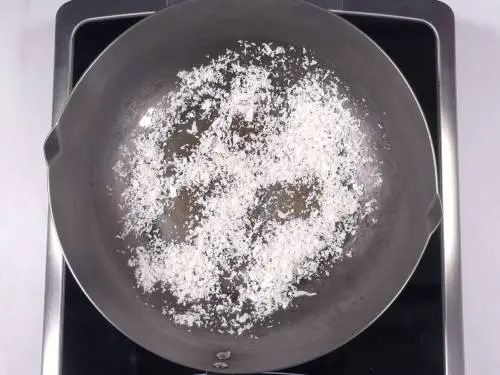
27	47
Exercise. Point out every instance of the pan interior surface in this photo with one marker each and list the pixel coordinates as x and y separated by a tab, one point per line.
140	67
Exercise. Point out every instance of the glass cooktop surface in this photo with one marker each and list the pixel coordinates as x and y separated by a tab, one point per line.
406	340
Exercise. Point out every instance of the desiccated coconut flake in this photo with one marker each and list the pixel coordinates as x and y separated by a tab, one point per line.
273	181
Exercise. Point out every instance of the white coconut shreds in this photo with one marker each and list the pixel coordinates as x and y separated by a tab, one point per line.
242	182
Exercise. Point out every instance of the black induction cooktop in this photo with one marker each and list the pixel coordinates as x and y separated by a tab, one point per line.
406	340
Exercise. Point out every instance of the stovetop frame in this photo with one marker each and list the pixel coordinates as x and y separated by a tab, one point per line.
435	14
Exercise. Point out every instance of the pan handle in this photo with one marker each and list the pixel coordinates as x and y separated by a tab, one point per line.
434	214
51	147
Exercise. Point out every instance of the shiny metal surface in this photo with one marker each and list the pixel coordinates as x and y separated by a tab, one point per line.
435	14
53	295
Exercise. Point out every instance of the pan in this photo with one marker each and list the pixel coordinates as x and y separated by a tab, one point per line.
104	110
